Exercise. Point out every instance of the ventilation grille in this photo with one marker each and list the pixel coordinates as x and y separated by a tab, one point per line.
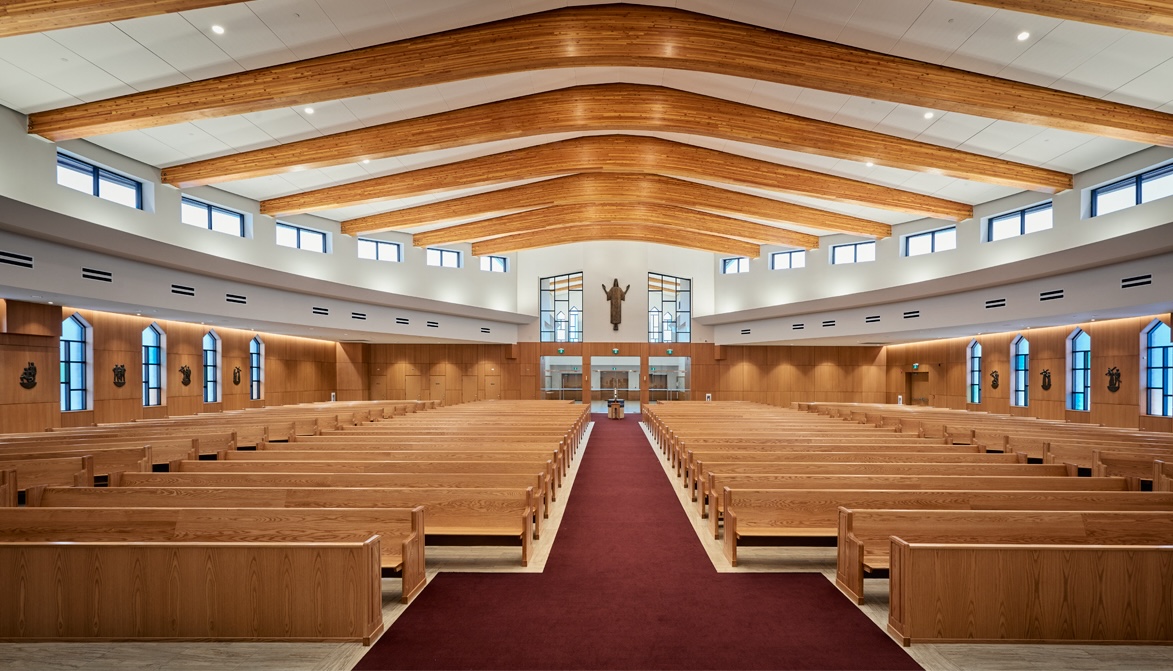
1051	295
485	329
828	323
97	275
361	316
1126	283
14	259
874	319
912	314
402	320
433	325
996	303
320	311
797	327
182	290
745	331
236	298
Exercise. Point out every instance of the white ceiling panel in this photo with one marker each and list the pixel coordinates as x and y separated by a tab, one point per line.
878	26
940	29
766	13
118	54
995	44
1095	152
362	22
773	96
175	40
472	92
820	105
821	19
246	38
423	18
737	89
190	140
141	147
236	132
951	129
259	188
975	192
283	124
61	67
907	121
302	26
1151	89
999	138
25	92
1055	55
1046	146
1119	63
863	113
329	117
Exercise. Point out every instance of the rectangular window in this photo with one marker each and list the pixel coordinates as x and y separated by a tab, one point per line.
1143	188
737	264
931	242
298	237
788	260
96	181
1022	222
443	258
560	301
669	308
211	217
856	252
494	264
380	250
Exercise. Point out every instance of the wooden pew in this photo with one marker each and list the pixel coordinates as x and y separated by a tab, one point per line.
8	492
963	593
459	512
191	591
363	480
688	460
774	513
106	460
67	471
400	530
719	481
863	533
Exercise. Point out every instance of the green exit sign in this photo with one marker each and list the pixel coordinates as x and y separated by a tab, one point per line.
915	366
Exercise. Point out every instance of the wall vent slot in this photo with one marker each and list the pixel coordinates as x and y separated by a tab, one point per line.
236	298
320	311
797	327
402	320
996	303
97	275
434	325
912	314
828	323
485	329
14	259
361	316
182	290
1126	283
1051	295
874	319
745	331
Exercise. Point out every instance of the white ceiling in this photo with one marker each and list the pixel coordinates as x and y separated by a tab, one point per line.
66	67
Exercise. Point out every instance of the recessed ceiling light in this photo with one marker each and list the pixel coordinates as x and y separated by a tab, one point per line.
870	164
309	110
1023	36
366	160
219	30
928	115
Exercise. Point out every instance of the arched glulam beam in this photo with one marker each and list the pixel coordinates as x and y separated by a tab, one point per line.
664	235
614	107
605	212
616	153
616	36
616	188
1152	16
21	17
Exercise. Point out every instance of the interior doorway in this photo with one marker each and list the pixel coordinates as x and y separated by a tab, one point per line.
562	378
916	388
669	378
615	377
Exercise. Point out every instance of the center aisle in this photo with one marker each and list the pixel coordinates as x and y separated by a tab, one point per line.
628	586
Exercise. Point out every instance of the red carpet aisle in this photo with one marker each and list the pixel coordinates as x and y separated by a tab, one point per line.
628	586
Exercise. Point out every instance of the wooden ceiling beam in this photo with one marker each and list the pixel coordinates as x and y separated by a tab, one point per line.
616	153
614	107
21	17
608	36
1155	16
616	187
610	212
664	235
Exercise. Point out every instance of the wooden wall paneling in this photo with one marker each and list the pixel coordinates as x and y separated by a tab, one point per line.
33	319
601	36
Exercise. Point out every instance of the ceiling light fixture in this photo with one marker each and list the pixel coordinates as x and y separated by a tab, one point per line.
309	110
928	115
1023	36
870	164
219	30
366	160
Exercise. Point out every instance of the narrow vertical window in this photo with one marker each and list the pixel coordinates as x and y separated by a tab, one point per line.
211	367
1079	366
1158	368
256	368
75	365
975	372
152	366
669	308
1020	380
560	302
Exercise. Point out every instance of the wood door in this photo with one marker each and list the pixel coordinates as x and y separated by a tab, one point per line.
438	387
918	389
468	388
572	381
657	381
610	380
493	387
413	387
379	385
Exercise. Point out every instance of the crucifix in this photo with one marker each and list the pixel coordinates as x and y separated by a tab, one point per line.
616	296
